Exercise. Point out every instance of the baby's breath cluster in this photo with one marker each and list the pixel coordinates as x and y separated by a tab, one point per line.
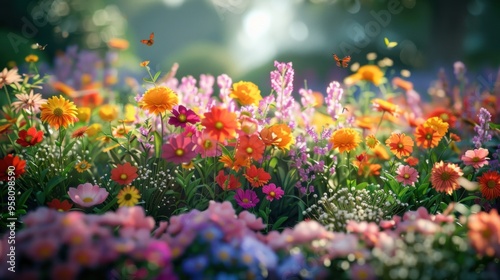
336	208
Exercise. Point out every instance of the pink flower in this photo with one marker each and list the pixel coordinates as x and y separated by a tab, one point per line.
8	77
246	199
272	192
477	157
87	195
362	271
43	248
252	222
406	175
181	115
206	147
179	150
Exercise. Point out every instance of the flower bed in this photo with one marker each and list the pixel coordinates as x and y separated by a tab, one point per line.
184	180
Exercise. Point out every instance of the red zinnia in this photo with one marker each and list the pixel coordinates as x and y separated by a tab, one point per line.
257	176
229	182
124	174
445	115
444	177
61	206
29	137
489	184
11	165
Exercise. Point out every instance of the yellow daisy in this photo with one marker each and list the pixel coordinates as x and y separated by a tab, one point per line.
128	196
58	112
82	166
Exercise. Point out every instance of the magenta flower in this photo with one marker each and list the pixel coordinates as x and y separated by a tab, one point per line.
87	195
477	157
206	147
362	271
181	115
407	175
272	192
246	199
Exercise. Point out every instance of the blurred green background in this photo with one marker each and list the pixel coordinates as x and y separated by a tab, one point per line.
242	38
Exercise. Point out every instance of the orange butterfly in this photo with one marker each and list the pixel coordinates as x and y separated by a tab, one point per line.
150	41
344	62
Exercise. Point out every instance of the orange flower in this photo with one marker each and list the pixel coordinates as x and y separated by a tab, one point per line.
247	93
484	233
489	184
250	146
444	177
412	161
257	177
365	122
118	43
64	88
58	112
381	152
370	73
403	84
158	100
229	182
318	99
400	144
11	165
386	106
455	137
444	114
108	112
365	167
235	164
79	132
279	135
124	174
437	124
220	124
345	139
371	141
427	137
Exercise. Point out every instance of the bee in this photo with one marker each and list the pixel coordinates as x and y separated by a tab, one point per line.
344	62
151	40
38	46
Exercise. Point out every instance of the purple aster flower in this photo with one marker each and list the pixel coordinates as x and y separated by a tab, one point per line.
181	115
334	95
246	199
482	130
282	83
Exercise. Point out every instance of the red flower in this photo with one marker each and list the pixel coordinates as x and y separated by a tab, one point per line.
29	137
61	206
11	166
124	174
229	182
257	176
489	184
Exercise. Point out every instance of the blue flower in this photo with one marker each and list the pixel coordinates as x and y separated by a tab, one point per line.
211	233
195	266
223	253
261	252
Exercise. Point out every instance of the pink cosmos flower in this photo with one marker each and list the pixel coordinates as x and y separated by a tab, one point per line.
206	147
406	175
8	77
179	150
87	195
246	199
181	115
272	192
477	157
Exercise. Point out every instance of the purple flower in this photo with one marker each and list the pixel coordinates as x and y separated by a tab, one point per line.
225	82
282	83
459	70
246	199
181	115
482	130
333	97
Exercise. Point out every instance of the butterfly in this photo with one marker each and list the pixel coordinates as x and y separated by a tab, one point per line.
38	46
389	44
344	62
150	41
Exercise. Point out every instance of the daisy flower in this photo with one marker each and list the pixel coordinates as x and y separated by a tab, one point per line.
272	192
257	176
58	112
444	177
406	175
88	195
220	124
128	196
124	174
29	102
476	158
345	139
400	144
8	77
489	184
181	116
246	199
180	149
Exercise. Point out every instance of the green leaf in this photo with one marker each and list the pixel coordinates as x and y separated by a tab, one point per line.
40	198
273	162
156	76
52	183
147	80
24	197
495	126
158	142
279	222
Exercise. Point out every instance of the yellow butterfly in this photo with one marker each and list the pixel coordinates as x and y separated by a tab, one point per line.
389	44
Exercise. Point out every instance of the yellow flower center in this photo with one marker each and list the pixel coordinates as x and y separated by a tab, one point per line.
400	146
475	159
28	138
179	152
207	144
428	136
219	125
406	176
444	117
123	176
249	150
182	118
245	200
272	194
83	165
88	199
58	112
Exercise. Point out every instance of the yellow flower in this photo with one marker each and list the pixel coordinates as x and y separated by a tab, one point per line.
128	196
130	112
82	166
437	124
158	100
108	112
247	93
58	111
84	114
31	58
94	129
144	63
320	121
370	73
188	165
371	141
345	139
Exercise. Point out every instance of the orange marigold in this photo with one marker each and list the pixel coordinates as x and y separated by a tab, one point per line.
58	111
158	100
437	124
247	93
345	139
386	106
400	144
279	135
